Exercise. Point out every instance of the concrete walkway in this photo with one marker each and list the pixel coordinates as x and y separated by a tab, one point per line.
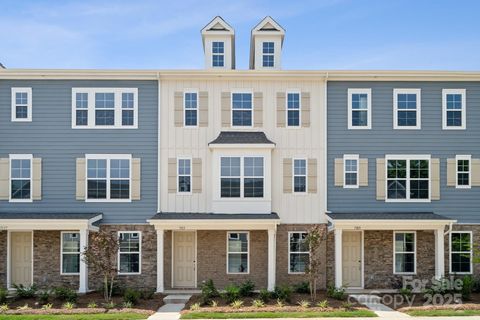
172	307
375	304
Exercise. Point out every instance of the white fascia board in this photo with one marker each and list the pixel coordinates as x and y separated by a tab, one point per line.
46	224
391	224
215	224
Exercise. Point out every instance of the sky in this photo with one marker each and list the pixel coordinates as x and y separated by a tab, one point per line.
320	34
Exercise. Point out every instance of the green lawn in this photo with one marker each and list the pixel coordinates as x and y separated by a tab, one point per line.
253	315
99	316
443	313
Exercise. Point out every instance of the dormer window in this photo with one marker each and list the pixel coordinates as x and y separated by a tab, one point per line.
218	54
268	54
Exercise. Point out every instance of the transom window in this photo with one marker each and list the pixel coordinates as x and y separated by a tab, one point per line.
454	105
70	253
359	108
129	252
191	107
298	252
408	179
350	163
22	104
293	109
406	108
218	54
268	54
184	175
405	253
299	175
104	108
242	109
242	177
108	177
461	252
20	178
463	171
237	252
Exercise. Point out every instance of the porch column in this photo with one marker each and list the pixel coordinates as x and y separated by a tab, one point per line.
160	281
338	258
83	286
439	253
271	259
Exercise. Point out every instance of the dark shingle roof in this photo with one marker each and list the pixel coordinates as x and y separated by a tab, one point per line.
386	216
214	216
59	216
244	137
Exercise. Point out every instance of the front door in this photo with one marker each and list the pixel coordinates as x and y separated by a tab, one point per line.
184	259
21	258
352	258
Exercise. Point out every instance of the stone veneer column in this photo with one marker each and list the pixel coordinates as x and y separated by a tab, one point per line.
160	281
271	259
83	279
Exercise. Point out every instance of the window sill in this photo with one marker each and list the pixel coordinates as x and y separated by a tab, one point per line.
129	273
409	200
407	128
21	200
21	120
105	127
108	200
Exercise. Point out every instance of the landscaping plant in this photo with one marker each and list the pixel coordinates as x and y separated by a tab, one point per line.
323	304
25	292
304	304
302	287
47	306
232	293
147	294
195	307
468	284
246	288
208	291
3	295
68	305
92	305
132	296
264	295
335	293
65	294
4	307
127	305
214	303
237	304
283	293
315	236
44	296
280	303
258	303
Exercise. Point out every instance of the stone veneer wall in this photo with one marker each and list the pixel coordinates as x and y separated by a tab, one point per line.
3	258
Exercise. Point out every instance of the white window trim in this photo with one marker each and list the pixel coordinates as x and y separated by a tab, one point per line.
180	193
70	253
299	175
252	110
219	54
248	252
269	54
289	252
408	158
108	157
19	157
368	92
242	177
463	157
28	91
396	92
185	108
294	91
452	252
118	107
414	253
462	92
139	253
350	157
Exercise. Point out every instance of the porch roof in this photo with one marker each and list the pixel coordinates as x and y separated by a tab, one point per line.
254	139
386	216
49	221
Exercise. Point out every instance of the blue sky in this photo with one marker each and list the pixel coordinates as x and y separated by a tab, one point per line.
321	34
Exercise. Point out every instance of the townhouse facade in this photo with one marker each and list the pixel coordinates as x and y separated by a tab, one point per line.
219	173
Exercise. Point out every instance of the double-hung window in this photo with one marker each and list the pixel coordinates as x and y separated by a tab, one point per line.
359	108
22	104
108	177
184	175
218	54
253	177
104	109
190	100
268	54
404	253
298	252
408	178
463	170
128	109
21	177
237	252
454	108
242	109
406	109
293	109
129	252
70	253
461	252
350	169
81	105
241	177
299	175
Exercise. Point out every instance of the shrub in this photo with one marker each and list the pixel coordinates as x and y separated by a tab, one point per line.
25	292
24	307
246	288
405	292
302	287
347	305
4	307
109	305
236	304
208	291
258	303
468	283
304	304
265	295
68	305
65	294
132	296
195	307
323	304
92	305
127	305
47	306
336	293
44	296
283	293
147	294
232	293
3	295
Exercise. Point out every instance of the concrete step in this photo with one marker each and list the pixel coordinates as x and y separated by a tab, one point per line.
177	298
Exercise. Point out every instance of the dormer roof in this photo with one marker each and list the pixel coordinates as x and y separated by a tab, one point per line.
217	26
269	27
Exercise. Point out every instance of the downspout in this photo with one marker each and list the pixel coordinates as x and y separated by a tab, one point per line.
158	146
325	160
450	226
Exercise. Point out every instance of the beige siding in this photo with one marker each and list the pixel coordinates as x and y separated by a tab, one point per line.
203	108
258	109
81	168
435	181
339	174
36	179
281	110
451	173
136	178
363	173
4	178
381	186
475	172
178	102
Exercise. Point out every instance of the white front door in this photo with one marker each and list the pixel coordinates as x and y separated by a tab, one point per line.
184	244
21	258
352	258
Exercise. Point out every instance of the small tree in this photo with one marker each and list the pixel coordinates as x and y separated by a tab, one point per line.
101	256
316	235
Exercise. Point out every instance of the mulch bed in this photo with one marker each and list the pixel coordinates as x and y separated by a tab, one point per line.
418	302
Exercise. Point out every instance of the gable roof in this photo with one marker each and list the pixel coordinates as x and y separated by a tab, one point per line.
218	25
268	24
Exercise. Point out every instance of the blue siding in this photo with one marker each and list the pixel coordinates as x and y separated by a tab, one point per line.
460	204
51	138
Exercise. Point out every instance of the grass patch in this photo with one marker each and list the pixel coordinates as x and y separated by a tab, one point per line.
271	315
443	313
99	316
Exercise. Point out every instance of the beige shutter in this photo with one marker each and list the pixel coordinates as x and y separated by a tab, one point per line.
305	109
203	108
258	109
197	175
136	178
37	179
4	178
281	112
475	172
381	179
363	173
226	106
172	175
178	103
339	174
81	169
287	175
312	175
451	172
435	179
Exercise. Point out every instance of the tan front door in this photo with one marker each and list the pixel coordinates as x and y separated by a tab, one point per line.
184	259
21	258
352	258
